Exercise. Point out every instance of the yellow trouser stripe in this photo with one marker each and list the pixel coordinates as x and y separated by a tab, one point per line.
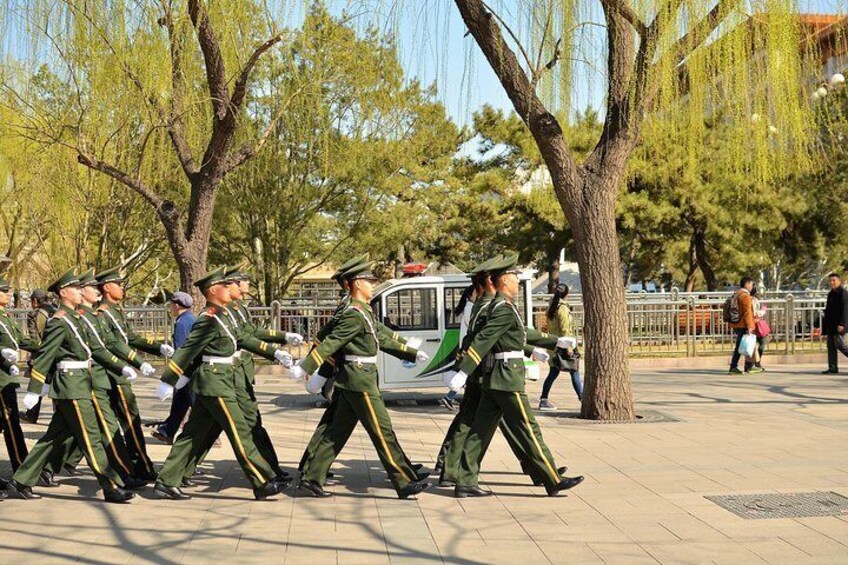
382	439
91	458
10	432
105	427
474	355
550	467
128	416
37	376
237	439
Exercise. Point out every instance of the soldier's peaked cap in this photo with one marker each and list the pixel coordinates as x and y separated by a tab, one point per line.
110	275
347	265
486	265
88	278
70	278
507	264
236	273
213	277
363	270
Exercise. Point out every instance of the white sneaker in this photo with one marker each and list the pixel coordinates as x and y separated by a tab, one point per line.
546	405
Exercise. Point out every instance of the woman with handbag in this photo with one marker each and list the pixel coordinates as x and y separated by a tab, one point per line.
560	323
761	328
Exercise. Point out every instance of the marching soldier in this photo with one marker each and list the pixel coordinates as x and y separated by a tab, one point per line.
110	428
505	337
208	355
323	381
12	339
358	396
245	372
40	312
451	451
64	359
111	286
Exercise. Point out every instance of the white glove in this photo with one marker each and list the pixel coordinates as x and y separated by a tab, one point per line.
146	369
30	400
181	382
414	342
166	350
14	371
315	383
566	342
421	357
164	391
540	355
45	389
9	354
294	339
448	378
297	373
129	373
284	358
458	381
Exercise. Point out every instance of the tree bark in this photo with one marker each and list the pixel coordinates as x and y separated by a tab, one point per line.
699	237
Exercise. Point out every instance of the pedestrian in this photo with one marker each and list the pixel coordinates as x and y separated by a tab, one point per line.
503	389
358	396
760	321
41	310
12	340
64	360
834	323
180	307
741	301
560	322
206	361
463	310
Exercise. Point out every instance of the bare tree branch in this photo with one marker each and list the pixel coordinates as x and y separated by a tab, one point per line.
133	183
625	10
241	83
216	74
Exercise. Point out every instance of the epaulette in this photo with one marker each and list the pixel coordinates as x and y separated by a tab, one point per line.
102	307
81	312
210	310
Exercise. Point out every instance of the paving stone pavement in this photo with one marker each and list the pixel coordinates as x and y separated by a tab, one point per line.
785	430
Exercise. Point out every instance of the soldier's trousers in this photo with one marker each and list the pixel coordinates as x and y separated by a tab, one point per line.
77	420
246	399
368	409
515	410
452	446
126	409
209	416
11	422
110	436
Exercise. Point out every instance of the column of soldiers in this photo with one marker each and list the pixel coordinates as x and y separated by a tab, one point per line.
88	358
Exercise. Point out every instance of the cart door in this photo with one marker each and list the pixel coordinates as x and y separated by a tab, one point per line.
413	312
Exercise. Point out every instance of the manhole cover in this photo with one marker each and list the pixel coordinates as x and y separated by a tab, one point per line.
791	505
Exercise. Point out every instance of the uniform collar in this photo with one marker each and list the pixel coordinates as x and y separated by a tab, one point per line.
360	303
68	310
504	296
85	309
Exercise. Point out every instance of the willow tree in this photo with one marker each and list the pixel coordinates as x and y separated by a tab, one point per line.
159	95
677	59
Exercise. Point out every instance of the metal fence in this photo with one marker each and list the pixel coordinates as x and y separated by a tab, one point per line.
660	325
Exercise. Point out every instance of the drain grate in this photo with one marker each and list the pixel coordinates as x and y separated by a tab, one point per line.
789	505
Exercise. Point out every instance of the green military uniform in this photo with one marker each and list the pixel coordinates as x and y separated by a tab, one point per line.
458	430
122	397
356	337
65	355
208	355
110	427
330	367
245	377
503	396
11	337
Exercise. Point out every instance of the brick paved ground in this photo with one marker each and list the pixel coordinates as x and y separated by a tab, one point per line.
642	502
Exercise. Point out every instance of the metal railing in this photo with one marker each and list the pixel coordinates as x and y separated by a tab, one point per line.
687	325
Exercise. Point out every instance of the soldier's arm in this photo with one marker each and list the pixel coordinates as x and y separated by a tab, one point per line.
496	326
25	342
146	344
350	324
45	357
203	331
396	348
105	358
120	349
271	336
541	339
247	340
384	330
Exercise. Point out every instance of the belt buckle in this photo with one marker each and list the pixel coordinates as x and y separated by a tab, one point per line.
359	363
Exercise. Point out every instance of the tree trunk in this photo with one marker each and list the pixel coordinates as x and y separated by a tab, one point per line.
553	270
692	275
607	393
699	237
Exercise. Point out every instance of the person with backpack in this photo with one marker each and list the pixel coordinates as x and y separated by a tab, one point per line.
739	312
834	323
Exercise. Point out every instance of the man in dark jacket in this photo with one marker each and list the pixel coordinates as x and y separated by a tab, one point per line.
835	320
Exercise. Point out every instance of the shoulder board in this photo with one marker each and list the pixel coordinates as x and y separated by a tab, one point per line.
211	310
81	312
102	307
59	314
